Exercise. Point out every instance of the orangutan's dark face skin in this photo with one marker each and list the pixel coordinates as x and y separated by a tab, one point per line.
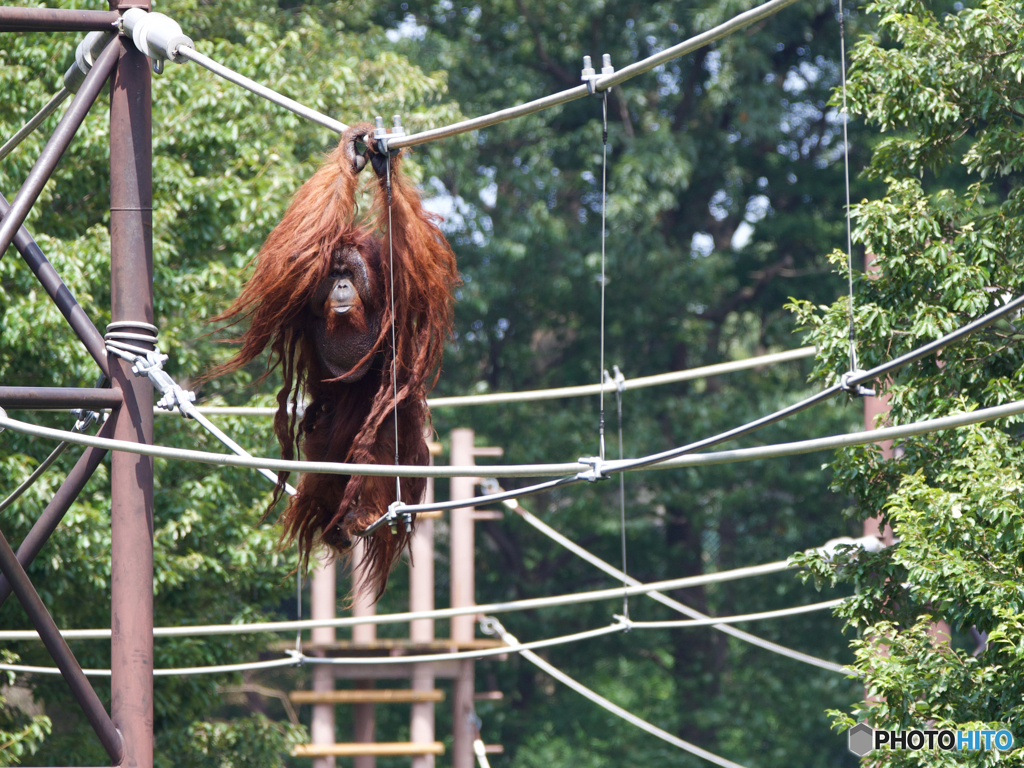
346	323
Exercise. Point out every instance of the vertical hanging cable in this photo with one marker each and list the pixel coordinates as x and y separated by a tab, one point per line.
394	345
846	170
604	201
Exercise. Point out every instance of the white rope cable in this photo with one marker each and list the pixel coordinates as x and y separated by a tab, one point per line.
480	750
601	83
260	90
296	658
576	637
711	621
50	107
493	625
572	598
523	470
218	669
614	572
498	398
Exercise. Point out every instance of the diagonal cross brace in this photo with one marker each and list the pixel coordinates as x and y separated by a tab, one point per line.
59	293
69	667
62	500
59	141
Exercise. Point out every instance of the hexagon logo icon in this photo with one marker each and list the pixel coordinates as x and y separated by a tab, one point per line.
861	739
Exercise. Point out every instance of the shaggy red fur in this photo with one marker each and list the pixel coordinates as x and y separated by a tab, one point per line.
350	421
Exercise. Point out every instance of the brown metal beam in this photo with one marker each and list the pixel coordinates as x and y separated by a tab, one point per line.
131	476
55	20
65	660
58	398
62	297
61	502
59	141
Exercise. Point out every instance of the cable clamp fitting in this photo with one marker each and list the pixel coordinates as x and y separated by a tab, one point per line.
297	656
590	77
156	35
854	390
382	135
489	625
85	56
149	363
618	379
391	519
596	471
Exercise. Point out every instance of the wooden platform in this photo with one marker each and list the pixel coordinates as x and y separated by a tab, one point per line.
379	749
365	696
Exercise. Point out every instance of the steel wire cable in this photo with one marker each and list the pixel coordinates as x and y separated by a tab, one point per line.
757	453
495	626
614	572
527	604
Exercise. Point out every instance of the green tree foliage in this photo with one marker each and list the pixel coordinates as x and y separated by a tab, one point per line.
225	166
21	732
948	241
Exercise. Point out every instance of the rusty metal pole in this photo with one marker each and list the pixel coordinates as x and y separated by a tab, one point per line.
363	715
421	598
322	597
463	628
131	477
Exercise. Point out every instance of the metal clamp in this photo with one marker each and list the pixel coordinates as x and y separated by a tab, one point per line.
490	625
618	379
149	363
391	519
854	390
85	56
156	35
382	136
590	77
596	471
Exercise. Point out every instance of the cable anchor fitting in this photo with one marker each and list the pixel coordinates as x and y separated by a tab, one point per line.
618	379
86	53
391	519
596	471
149	363
156	35
590	77
854	390
382	136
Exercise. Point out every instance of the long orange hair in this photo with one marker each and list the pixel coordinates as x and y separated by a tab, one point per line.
350	422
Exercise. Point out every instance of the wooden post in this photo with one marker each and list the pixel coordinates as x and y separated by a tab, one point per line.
362	605
322	601
462	594
421	598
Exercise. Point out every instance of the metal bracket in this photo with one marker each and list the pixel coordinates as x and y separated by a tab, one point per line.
858	390
391	519
156	35
618	379
383	136
590	77
596	471
149	363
